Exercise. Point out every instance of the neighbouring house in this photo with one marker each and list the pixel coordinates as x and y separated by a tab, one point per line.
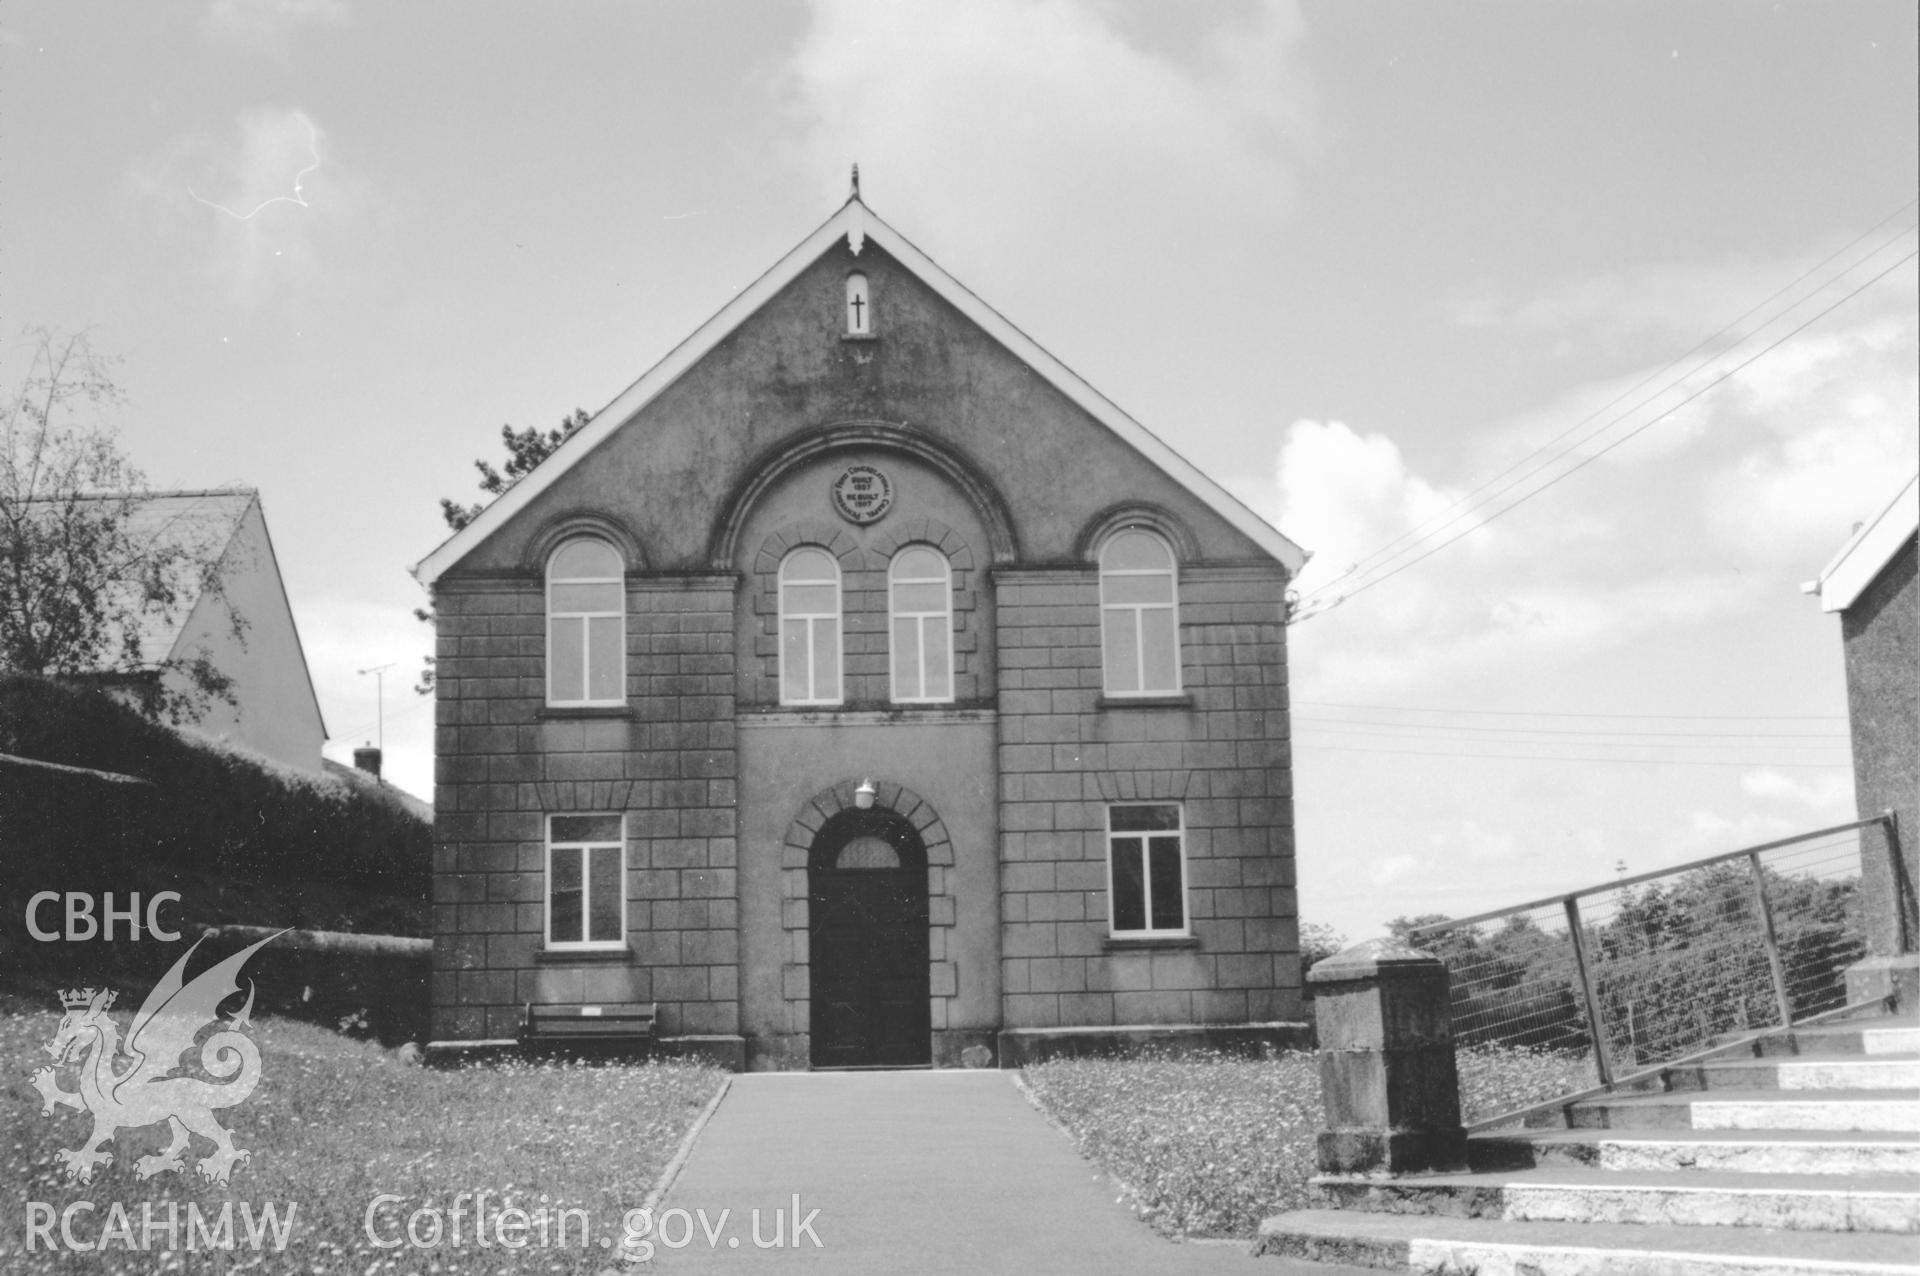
862	687
243	624
1870	582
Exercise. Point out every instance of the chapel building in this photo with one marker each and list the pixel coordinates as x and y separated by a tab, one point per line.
862	688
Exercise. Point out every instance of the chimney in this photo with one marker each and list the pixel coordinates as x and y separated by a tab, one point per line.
367	758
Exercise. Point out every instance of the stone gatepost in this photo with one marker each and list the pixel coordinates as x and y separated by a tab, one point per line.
1387	1077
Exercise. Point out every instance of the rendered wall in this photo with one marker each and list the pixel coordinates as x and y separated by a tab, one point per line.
503	762
1065	753
708	486
273	711
789	370
1881	633
944	763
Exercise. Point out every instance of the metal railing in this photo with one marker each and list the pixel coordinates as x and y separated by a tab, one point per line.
1650	969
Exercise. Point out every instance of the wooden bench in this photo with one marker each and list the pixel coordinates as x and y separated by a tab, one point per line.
613	1022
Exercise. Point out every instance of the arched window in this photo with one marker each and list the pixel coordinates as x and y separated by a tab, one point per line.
586	624
809	627
920	602
1139	615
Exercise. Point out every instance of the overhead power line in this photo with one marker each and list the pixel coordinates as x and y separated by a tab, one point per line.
417	706
1784	738
1547	713
1319	601
1753	763
1472	499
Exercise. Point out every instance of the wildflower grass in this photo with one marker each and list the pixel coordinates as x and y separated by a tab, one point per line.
336	1122
1496	1079
1207	1145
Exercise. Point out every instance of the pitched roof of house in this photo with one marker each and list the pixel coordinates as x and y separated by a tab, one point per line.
857	224
201	523
1871	547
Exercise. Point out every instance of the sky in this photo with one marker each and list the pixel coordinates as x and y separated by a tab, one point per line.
1361	262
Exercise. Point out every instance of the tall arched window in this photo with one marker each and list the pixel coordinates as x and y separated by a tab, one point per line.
1139	615
920	604
809	627
586	624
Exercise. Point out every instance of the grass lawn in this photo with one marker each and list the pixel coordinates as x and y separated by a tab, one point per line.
336	1122
1209	1146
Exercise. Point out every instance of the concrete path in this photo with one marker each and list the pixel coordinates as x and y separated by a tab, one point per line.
922	1172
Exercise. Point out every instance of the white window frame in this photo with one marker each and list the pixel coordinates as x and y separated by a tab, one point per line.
586	849
813	621
586	619
1178	832
1136	613
920	619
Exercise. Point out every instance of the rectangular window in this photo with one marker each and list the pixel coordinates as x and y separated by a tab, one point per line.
1146	861
586	881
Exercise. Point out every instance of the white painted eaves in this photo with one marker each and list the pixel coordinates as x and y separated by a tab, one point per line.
1868	551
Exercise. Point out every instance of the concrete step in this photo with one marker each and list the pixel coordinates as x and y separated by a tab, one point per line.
1880	1035
1891	1110
1830	1072
1698	1198
1491	1247
1731	1151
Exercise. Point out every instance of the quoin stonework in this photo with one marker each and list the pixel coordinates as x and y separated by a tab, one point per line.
861	687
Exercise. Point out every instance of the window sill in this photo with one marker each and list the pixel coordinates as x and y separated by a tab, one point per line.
584	711
1123	943
1178	700
818	715
622	955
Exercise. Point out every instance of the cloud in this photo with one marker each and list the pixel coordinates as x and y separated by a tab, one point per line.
1628	307
1702	514
1346	494
1826	794
1711	832
1654	304
1002	120
268	208
1552	585
1659	581
270	24
1833	427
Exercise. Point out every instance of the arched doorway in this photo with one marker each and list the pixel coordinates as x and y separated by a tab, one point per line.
867	942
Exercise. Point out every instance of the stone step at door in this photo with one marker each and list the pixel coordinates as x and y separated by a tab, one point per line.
1730	1151
1687	1198
1879	1036
1878	1110
1828	1072
1492	1247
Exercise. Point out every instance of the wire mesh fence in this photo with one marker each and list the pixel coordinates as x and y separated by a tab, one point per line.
1619	978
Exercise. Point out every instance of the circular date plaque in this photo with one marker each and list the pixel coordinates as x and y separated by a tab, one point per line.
863	494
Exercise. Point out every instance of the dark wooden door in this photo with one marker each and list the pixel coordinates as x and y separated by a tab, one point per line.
868	945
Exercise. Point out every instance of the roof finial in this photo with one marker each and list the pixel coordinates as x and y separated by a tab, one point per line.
856	182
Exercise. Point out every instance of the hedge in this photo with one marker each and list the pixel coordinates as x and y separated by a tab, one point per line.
217	808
